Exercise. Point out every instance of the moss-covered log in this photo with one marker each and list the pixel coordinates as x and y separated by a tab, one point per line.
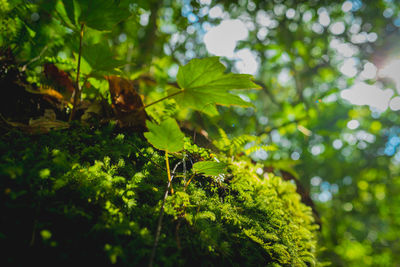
92	196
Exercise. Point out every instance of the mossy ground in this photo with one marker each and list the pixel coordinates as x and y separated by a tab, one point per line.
91	195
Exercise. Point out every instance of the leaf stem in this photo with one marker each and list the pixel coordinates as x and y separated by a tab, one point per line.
162	99
168	170
188	182
77	87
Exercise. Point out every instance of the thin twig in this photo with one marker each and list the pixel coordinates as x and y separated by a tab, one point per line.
168	171
35	58
32	242
160	218
184	167
178	240
173	171
35	222
77	86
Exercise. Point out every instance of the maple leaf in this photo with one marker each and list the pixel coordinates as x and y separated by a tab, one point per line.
166	136
203	84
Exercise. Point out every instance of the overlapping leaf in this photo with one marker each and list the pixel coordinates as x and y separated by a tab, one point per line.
203	84
212	168
166	136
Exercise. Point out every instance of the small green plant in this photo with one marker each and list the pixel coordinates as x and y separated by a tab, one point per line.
100	15
167	137
203	84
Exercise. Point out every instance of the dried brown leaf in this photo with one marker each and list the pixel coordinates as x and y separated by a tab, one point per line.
127	103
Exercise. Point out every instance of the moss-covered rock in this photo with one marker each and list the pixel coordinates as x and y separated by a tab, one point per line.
92	196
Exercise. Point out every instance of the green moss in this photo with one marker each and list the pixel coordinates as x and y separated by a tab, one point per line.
92	196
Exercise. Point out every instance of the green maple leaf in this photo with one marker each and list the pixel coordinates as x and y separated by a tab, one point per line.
212	168
166	136
203	84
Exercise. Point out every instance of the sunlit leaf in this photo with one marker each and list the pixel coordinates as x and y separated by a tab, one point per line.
203	84
209	167
166	136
